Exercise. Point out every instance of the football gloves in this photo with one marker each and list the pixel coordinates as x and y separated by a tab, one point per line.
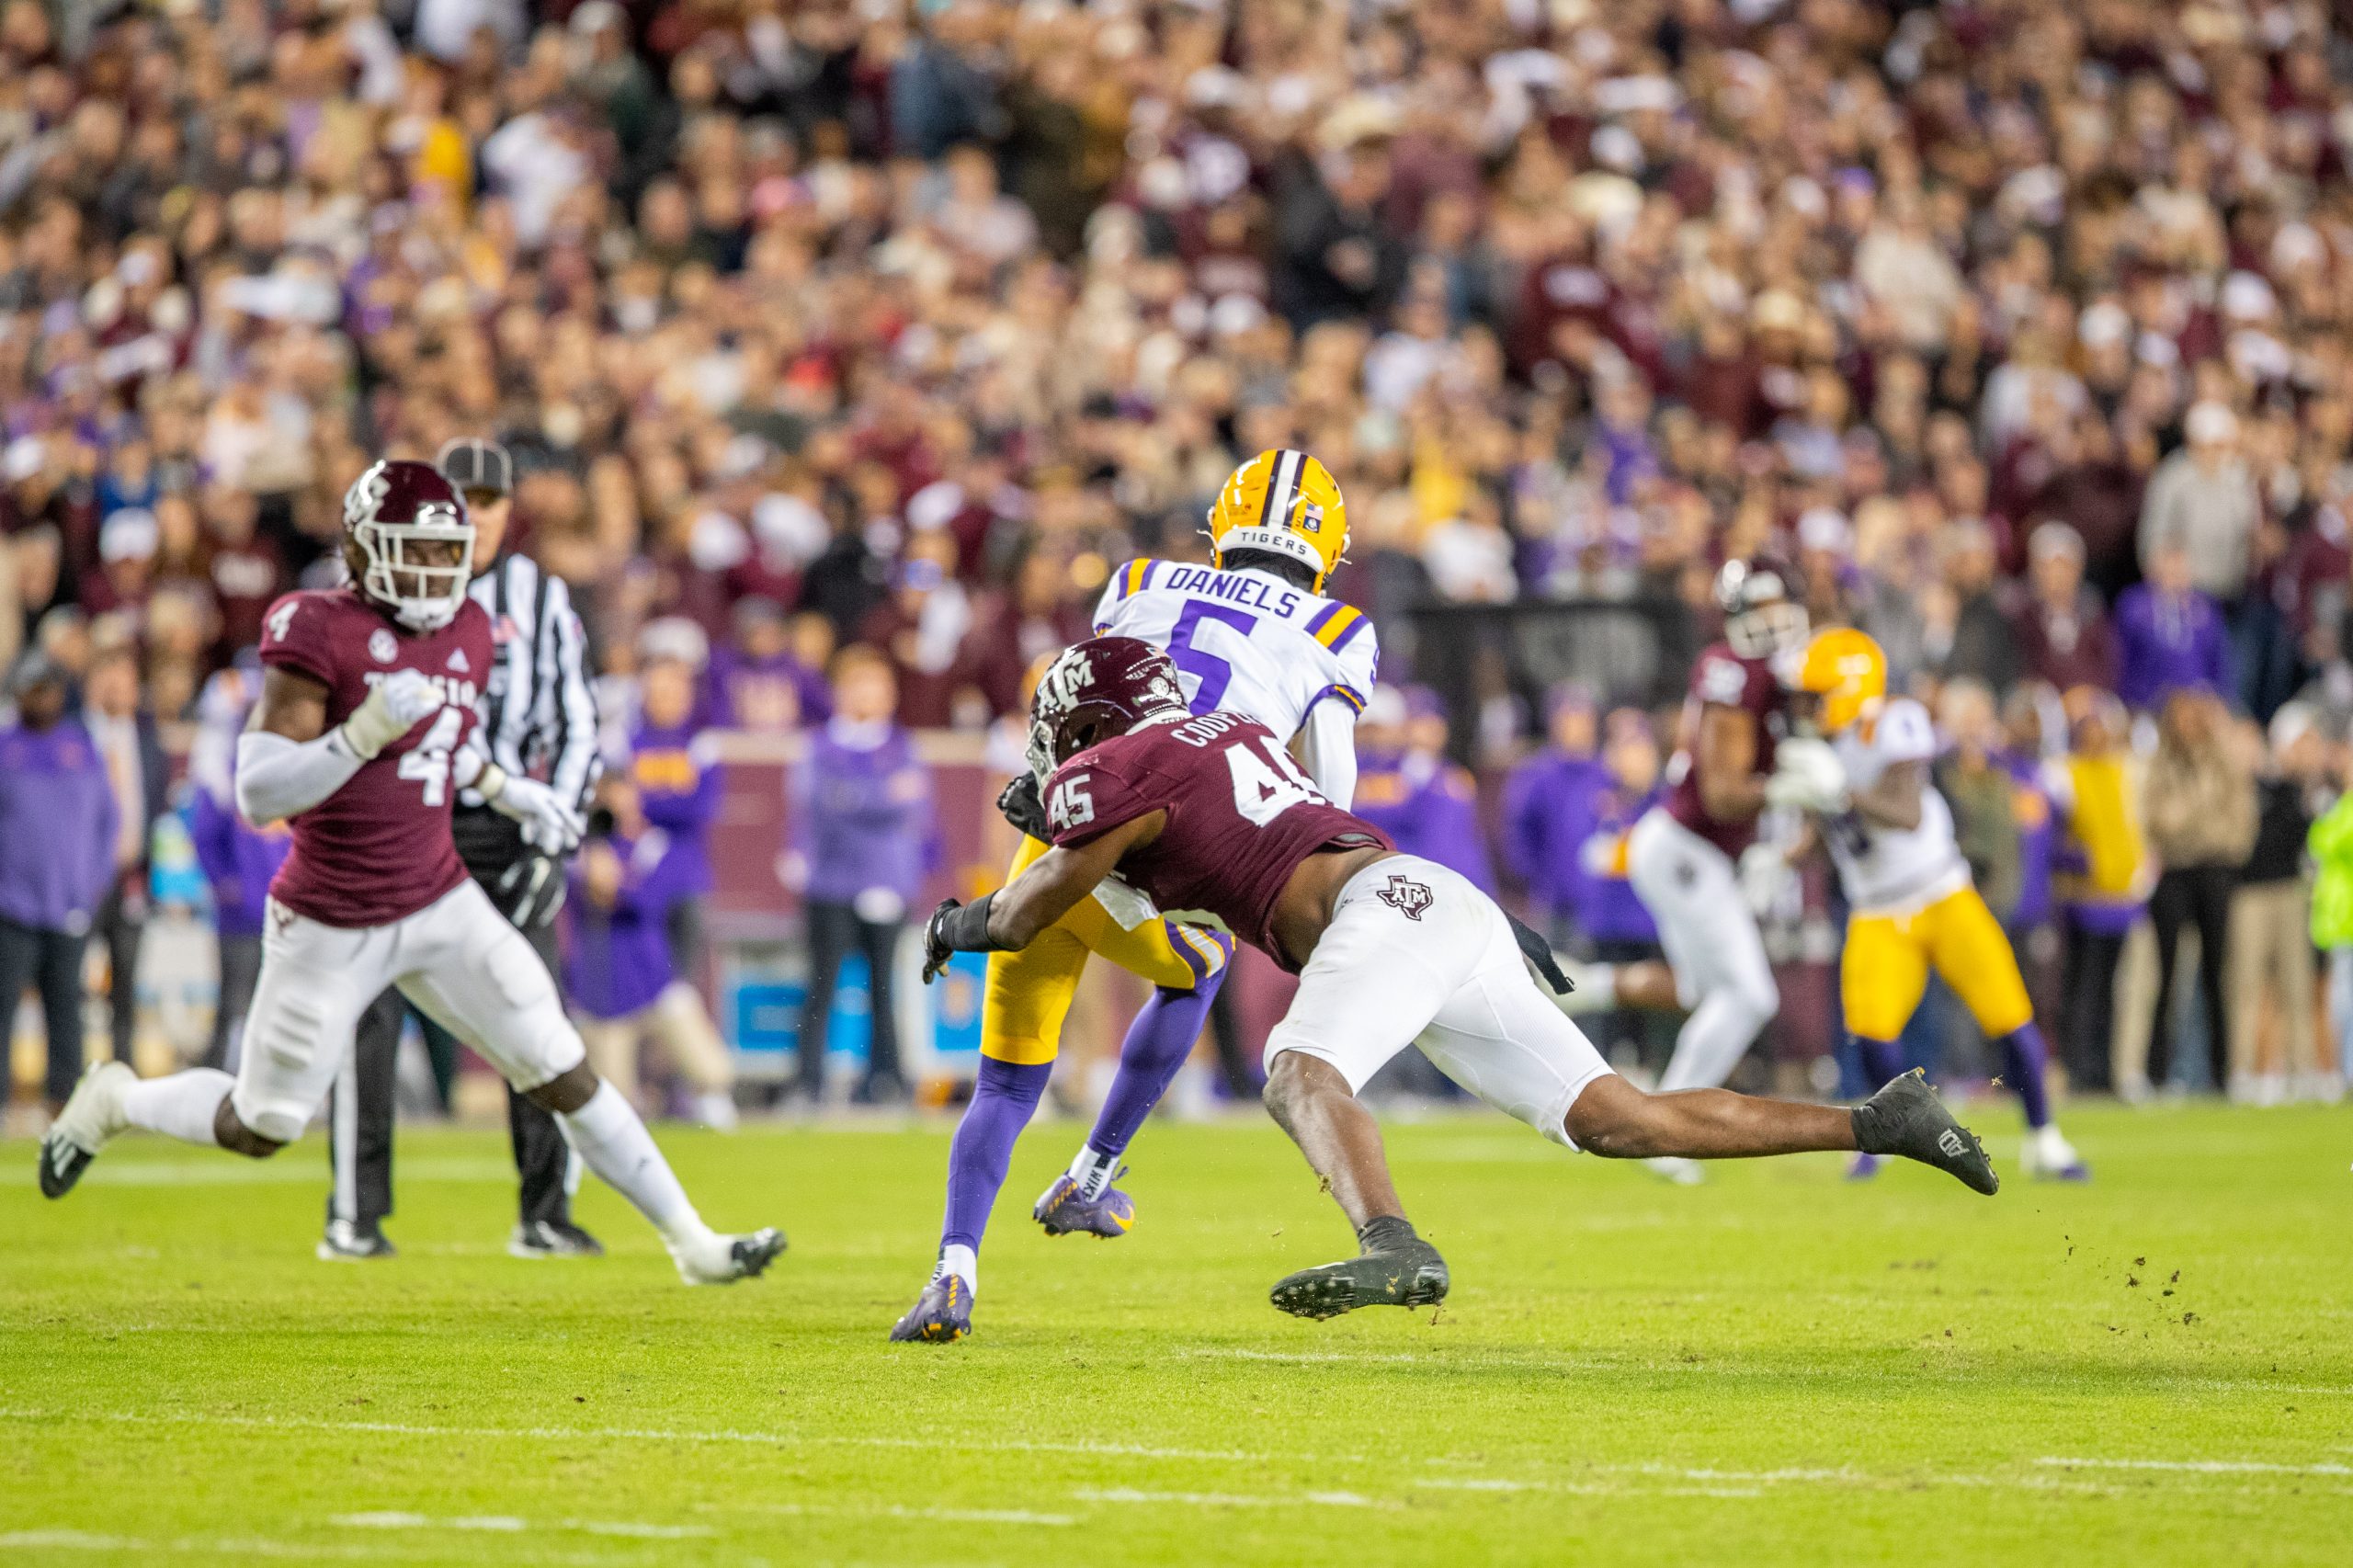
955	928
1020	805
530	891
1807	776
392	711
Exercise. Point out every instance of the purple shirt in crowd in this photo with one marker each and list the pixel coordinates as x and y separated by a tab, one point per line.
1555	804
2166	642
777	693
679	785
238	859
57	826
2038	838
617	961
1428	807
861	814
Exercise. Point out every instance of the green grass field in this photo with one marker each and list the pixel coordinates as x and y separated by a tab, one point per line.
1776	1366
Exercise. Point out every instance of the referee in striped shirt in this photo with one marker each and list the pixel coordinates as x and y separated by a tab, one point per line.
540	721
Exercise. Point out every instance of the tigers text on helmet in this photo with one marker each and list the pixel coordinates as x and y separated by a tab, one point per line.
1101	688
1286	504
391	515
1842	668
1762	614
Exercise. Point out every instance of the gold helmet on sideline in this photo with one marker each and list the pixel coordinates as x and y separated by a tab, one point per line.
1286	504
1846	669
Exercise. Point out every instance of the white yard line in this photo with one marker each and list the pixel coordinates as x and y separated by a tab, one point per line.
673	1434
898	1511
56	1541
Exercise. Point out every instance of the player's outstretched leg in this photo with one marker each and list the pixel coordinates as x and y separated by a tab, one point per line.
1082	1201
1311	1100
1613	1119
614	1143
111	1099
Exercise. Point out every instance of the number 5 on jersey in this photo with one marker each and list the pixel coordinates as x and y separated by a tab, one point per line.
429	758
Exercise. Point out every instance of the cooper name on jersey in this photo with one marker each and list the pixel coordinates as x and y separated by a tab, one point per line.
455	691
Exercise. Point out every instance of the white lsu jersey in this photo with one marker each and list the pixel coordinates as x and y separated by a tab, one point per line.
1251	644
1888	871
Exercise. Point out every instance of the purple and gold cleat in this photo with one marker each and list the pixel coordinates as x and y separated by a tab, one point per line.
941	1315
1063	1212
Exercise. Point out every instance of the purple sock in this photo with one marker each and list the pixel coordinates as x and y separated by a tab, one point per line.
1882	1060
1157	1044
2023	1057
1002	1102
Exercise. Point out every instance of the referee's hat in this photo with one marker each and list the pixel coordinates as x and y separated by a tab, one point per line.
471	463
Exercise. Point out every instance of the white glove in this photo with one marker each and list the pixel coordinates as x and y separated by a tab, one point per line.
550	826
399	703
1807	776
1765	874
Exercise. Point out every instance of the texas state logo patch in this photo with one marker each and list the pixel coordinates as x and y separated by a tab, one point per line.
1407	897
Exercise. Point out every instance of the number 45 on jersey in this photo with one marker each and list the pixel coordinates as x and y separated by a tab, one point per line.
1263	790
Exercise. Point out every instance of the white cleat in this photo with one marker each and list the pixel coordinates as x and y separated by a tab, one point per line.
91	1117
1676	1169
2047	1156
716	1110
715	1259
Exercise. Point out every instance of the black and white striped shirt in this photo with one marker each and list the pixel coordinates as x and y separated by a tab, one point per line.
538	712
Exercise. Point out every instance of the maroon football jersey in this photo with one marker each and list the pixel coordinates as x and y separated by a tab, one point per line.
1241	817
379	849
1723	678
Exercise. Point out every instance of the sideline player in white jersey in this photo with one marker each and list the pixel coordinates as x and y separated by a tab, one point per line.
1912	906
361	740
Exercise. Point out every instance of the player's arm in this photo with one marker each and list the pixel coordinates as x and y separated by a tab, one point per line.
289	760
1723	761
1327	747
1894	798
1050	887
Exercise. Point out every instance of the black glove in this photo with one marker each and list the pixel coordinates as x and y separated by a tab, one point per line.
1538	951
529	890
1020	805
955	928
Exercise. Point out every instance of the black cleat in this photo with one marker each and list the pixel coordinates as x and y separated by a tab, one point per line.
1905	1117
92	1114
1408	1274
347	1243
553	1238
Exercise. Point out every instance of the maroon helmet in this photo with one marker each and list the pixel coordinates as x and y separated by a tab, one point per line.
1095	689
1763	607
408	542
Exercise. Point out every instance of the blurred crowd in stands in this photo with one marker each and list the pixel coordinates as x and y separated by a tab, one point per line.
2024	328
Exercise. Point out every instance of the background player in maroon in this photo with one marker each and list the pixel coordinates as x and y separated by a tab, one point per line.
1208	816
361	740
1685	857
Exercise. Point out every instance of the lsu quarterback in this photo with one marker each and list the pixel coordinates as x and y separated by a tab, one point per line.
1913	905
1253	633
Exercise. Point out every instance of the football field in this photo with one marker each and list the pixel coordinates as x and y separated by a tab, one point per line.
1777	1367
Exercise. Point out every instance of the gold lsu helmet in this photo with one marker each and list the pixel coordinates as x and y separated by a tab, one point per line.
1286	504
1846	669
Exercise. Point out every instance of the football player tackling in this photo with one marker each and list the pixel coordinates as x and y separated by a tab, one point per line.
361	740
1251	632
1912	904
1208	814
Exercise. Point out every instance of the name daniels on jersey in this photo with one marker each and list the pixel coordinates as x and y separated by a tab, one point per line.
1234	588
456	693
